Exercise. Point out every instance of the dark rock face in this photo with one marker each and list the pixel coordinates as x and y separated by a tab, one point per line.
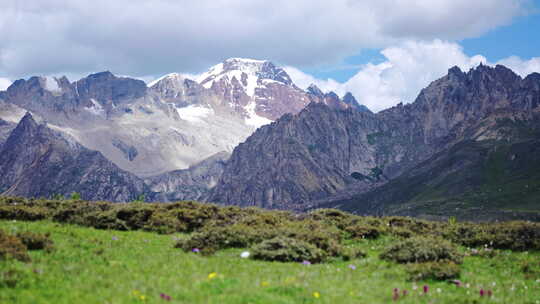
37	161
130	152
5	129
57	95
193	183
109	89
299	161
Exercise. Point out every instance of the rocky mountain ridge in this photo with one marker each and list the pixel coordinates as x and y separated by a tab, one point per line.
324	155
169	131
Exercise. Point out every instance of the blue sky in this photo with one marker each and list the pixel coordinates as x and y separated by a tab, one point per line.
520	38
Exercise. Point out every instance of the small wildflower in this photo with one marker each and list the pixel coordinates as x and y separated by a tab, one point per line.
165	297
457	283
306	262
265	284
426	289
244	255
142	297
351	266
489	293
439	290
405	292
195	250
482	292
493	284
316	295
467	285
415	287
136	292
212	275
395	295
114	238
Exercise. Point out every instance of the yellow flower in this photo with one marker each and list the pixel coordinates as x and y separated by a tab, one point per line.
212	275
264	284
136	292
142	297
316	295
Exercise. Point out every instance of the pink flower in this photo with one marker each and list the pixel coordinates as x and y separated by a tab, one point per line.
352	267
457	283
482	292
165	297
196	250
426	289
395	296
305	262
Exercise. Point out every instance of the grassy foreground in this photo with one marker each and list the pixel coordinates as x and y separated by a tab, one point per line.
73	251
107	266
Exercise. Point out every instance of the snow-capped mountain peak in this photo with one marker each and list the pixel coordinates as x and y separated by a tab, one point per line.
171	77
250	74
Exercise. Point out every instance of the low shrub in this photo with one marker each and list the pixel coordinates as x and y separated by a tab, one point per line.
333	217
444	270
23	213
531	269
422	249
284	249
161	221
11	278
215	238
517	236
362	231
401	232
11	247
352	253
36	241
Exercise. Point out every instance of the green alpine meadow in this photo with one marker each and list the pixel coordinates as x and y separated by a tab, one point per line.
73	251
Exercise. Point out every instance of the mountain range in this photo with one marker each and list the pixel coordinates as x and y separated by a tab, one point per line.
244	134
172	136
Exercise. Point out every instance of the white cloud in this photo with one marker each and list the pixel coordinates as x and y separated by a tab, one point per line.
4	83
520	66
408	68
141	37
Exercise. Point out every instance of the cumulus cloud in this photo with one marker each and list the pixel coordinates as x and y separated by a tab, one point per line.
407	69
140	37
521	66
4	83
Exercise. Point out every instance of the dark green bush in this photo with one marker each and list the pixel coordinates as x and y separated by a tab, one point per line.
284	249
214	238
518	236
23	213
422	249
36	241
441	271
352	253
11	247
11	278
362	231
333	217
135	215
401	232
161	221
